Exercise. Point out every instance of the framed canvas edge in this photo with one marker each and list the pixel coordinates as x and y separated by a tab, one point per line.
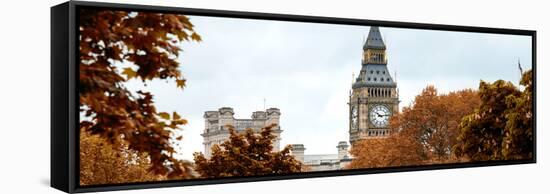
62	97
72	184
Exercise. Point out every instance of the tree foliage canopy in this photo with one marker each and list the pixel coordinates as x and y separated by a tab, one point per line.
435	119
501	127
247	154
103	163
148	44
399	149
424	132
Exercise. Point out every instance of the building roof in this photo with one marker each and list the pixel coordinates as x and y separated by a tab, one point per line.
374	75
374	39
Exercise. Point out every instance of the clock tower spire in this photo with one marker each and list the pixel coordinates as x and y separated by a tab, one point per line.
374	49
374	98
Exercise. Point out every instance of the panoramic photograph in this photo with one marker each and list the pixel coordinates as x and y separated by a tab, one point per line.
176	97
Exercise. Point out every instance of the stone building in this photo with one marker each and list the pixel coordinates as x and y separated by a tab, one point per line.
374	97
216	132
323	162
216	122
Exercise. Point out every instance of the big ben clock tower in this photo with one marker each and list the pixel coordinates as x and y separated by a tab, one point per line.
374	98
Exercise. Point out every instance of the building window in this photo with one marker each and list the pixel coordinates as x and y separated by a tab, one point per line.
388	79
371	71
377	72
368	78
381	79
383	72
374	79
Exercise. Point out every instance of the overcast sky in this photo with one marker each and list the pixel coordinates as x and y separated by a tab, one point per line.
305	70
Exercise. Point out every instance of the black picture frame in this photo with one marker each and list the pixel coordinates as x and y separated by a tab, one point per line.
65	109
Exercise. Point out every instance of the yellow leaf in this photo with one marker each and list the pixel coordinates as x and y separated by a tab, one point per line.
176	116
196	37
164	115
180	83
129	72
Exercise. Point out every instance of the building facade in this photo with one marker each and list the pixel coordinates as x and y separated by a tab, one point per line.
322	162
374	97
217	122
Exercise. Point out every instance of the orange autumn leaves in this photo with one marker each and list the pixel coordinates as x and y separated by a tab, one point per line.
423	133
104	163
247	154
149	44
492	123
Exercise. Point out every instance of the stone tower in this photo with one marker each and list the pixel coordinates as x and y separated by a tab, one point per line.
216	122
374	97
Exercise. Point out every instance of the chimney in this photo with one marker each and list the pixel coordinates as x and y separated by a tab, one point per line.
342	150
298	151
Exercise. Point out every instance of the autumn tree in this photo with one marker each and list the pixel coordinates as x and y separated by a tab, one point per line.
400	148
518	134
422	133
435	119
146	47
247	154
502	126
103	163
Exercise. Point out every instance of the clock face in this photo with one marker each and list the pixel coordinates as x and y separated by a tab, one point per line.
379	115
354	115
